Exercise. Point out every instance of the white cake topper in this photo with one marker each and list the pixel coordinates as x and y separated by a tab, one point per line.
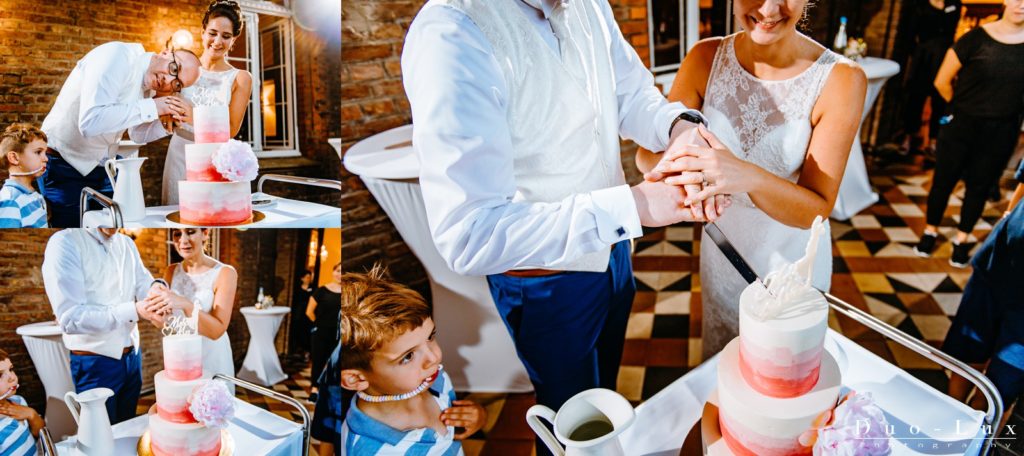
180	324
791	284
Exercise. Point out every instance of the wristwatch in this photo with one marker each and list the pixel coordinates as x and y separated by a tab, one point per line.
160	281
691	115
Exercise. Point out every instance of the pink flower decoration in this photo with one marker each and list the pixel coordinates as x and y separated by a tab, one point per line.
212	404
236	161
857	427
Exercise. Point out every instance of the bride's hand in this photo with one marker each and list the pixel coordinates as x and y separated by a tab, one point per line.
174	301
186	116
686	138
721	172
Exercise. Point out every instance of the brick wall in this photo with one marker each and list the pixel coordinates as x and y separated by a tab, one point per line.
39	47
373	101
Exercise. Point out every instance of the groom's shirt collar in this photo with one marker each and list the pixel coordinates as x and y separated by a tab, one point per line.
545	6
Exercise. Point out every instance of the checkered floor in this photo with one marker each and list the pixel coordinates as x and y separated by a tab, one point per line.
875	269
296	385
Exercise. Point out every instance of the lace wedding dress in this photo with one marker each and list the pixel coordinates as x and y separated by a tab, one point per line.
767	123
212	87
198	288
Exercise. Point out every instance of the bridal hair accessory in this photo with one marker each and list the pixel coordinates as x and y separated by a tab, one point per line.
212	404
791	285
179	324
401	397
236	161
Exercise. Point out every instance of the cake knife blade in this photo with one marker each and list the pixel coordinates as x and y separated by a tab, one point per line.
730	252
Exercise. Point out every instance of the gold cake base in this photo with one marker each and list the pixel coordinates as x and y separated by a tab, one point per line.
175	217
227	444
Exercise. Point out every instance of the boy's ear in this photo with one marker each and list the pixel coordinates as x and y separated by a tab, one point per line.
13	158
353	379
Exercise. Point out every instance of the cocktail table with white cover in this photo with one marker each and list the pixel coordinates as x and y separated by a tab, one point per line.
478	351
52	361
855	191
261	364
943	425
254	430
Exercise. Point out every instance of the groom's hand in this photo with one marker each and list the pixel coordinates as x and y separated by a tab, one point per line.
660	204
685	134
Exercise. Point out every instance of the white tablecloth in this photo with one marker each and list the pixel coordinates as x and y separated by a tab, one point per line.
261	364
664	420
255	431
478	351
855	191
287	213
53	366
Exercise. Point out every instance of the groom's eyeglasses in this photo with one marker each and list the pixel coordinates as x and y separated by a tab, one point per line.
172	68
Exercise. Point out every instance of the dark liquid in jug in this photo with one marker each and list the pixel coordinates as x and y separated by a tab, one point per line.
591	430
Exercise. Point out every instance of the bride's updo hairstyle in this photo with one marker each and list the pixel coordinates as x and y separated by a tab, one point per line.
228	9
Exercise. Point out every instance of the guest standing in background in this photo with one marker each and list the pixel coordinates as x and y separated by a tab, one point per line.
324	310
982	77
931	25
299	327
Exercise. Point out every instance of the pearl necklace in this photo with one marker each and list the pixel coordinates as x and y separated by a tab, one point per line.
399	397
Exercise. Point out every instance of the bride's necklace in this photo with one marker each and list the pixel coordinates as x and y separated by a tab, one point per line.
398	397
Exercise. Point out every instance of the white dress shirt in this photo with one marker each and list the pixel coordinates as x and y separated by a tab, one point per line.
92	282
458	93
102	98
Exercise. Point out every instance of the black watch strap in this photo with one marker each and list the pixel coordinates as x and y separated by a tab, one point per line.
689	116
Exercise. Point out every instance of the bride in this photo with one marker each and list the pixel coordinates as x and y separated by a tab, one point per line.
204	285
218	83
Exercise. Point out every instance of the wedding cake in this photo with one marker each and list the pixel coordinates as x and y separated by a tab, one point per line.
218	172
777	386
190	409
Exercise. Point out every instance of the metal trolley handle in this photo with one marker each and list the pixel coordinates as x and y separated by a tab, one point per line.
985	386
314	182
46	441
115	210
281	397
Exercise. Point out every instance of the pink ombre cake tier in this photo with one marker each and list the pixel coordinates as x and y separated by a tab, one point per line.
172	397
199	163
753	423
177	439
211	124
183	356
780	356
215	203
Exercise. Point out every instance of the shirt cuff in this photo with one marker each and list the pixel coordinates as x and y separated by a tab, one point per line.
622	221
125	312
147	109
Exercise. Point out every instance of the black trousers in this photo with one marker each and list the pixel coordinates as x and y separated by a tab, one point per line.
322	343
920	85
975	150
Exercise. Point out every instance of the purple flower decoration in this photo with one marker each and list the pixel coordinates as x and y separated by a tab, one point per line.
212	404
858	427
236	161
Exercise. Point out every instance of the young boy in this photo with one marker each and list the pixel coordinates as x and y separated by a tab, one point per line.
404	400
19	423
23	153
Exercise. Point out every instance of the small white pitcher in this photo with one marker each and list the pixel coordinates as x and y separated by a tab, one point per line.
588	424
95	436
126	176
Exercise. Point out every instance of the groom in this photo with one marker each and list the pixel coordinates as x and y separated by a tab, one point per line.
110	90
518	107
99	289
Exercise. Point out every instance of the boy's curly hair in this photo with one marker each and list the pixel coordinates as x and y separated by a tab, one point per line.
374	311
15	137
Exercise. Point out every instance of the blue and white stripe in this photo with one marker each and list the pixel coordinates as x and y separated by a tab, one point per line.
365	436
15	436
21	207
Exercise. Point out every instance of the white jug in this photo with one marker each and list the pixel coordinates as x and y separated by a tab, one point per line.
588	424
126	176
95	437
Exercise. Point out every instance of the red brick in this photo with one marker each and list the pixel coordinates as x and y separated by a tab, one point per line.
378	108
367	52
393	67
387	32
638	13
367	71
631	27
351	112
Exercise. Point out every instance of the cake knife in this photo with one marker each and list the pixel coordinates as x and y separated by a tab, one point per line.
730	252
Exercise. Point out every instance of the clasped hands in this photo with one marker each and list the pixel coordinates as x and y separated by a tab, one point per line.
173	110
696	174
160	302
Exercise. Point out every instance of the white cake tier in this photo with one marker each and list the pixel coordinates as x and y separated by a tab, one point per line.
183	356
176	439
199	163
172	397
212	124
754	423
214	203
780	356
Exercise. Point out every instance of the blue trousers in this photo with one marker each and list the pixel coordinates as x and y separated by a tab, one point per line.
61	186
123	376
569	328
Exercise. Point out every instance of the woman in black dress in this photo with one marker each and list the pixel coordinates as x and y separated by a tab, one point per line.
324	310
298	330
983	79
931	26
